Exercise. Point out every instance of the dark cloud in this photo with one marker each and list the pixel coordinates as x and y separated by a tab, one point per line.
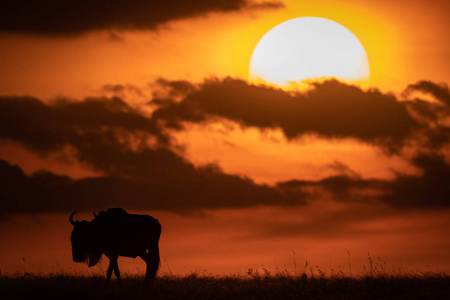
432	113
429	189
439	91
53	17
330	109
142	169
341	187
120	90
112	138
174	185
342	168
46	128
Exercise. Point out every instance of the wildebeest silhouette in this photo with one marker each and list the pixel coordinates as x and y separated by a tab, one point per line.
117	233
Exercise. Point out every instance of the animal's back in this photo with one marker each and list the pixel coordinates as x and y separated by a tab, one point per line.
129	234
111	215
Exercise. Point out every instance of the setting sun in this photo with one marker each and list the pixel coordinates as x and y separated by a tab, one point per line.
309	48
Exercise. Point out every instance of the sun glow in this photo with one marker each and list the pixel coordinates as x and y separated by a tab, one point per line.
308	48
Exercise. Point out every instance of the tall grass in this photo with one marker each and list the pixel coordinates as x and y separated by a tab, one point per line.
315	284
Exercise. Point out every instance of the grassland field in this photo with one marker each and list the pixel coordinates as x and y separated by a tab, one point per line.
248	286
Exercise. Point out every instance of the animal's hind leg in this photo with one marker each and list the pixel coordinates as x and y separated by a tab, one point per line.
152	260
146	258
109	272
152	268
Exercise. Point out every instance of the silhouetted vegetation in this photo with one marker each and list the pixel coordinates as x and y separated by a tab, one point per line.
252	285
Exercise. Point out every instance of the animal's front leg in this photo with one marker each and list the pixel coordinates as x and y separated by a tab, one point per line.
113	266
117	272
109	272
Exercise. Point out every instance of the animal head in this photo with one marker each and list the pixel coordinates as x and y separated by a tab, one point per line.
83	242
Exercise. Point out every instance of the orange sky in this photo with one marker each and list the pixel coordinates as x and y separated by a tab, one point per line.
151	109
237	240
403	41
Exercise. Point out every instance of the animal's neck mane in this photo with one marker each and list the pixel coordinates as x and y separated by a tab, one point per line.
94	255
104	219
93	258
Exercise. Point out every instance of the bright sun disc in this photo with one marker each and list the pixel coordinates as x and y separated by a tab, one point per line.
308	48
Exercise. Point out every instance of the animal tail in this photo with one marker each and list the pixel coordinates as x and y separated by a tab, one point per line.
158	259
153	247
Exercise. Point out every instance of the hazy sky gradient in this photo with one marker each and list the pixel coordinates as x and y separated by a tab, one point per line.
149	106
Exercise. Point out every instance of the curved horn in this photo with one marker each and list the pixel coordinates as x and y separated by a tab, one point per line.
71	218
95	215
